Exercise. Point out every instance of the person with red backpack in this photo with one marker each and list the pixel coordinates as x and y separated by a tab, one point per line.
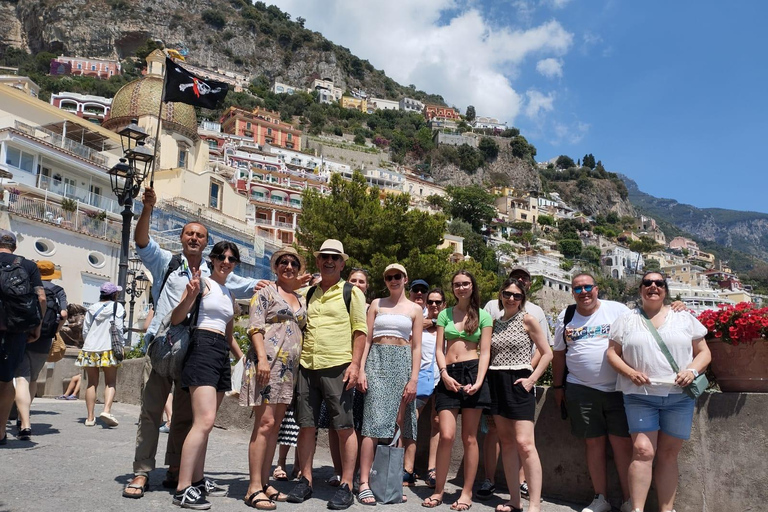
36	353
22	307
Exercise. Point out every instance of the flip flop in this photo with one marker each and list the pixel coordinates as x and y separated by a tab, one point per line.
279	474
460	506
431	502
142	489
366	494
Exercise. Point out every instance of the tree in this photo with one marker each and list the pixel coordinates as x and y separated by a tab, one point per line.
374	232
652	264
645	245
591	254
588	161
564	162
546	220
488	148
470	113
520	147
569	247
474	244
472	204
469	158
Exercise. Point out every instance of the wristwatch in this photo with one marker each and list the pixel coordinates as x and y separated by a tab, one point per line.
693	371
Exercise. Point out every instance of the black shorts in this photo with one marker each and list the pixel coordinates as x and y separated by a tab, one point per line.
464	373
510	400
207	362
12	347
327	385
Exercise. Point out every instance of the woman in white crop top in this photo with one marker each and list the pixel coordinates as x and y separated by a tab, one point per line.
389	371
206	371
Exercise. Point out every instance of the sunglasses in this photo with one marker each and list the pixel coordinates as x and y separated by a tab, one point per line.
586	288
230	259
464	284
658	282
288	262
512	295
393	277
418	290
434	302
334	257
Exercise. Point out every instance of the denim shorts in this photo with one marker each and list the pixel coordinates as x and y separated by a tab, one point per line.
671	414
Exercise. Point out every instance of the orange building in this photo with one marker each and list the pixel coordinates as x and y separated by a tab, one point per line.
264	126
440	111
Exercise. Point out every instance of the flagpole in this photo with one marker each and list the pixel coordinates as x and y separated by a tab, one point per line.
159	122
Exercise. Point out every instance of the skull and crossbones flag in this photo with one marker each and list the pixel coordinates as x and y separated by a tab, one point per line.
181	86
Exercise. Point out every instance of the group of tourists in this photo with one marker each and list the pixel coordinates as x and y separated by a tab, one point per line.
320	356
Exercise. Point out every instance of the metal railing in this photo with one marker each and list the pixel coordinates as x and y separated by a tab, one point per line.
84	196
81	220
62	142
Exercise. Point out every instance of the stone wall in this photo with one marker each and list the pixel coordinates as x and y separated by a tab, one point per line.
355	159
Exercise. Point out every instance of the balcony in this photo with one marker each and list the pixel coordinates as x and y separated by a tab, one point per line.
64	189
67	144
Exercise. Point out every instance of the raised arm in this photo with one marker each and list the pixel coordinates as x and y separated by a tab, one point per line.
141	231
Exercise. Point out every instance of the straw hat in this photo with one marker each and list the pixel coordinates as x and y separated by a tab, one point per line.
291	252
332	246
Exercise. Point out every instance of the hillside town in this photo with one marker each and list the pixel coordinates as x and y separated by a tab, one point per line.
55	160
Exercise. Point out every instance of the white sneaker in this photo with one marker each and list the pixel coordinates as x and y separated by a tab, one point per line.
599	504
627	507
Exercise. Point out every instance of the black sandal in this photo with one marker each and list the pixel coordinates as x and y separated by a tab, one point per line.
276	496
252	502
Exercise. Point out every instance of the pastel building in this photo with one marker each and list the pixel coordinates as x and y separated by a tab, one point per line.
263	126
85	66
90	107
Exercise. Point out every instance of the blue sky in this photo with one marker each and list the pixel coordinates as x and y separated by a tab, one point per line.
672	94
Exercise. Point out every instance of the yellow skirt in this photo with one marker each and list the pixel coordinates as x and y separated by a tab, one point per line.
96	359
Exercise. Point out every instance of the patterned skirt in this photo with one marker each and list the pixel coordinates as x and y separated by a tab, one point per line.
388	370
96	359
289	429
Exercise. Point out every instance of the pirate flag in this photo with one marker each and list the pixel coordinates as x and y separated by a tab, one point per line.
181	86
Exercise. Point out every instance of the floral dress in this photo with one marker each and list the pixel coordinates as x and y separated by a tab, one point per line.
282	328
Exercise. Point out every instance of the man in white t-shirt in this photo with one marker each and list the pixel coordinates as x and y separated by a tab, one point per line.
595	408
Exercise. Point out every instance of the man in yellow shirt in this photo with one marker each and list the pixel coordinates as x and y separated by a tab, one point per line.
330	362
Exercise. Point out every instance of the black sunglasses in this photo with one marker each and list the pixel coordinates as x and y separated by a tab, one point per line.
288	262
586	288
434	302
396	277
231	259
658	282
334	257
512	295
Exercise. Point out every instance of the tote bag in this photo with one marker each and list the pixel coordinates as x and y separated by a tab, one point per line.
386	479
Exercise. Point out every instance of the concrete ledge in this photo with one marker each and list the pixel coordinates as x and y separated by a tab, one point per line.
722	467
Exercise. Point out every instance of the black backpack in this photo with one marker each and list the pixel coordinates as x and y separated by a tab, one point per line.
20	306
174	264
52	311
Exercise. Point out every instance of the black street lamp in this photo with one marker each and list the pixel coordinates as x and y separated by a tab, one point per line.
126	178
134	289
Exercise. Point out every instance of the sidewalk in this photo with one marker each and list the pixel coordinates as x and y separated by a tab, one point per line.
67	467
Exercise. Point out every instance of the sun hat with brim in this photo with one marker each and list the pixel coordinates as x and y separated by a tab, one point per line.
395	266
332	246
290	251
48	270
109	288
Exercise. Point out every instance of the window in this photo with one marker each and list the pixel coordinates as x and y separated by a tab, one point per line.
45	247
269	131
93	67
214	197
95	195
70	187
19	159
96	259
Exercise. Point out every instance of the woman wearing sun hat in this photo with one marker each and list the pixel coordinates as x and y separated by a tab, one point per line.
391	362
278	315
97	351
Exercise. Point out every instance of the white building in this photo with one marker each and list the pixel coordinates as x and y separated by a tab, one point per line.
375	104
620	261
488	123
329	93
411	105
281	88
88	106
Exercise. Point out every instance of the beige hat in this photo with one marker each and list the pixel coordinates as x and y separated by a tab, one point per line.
395	266
332	246
289	251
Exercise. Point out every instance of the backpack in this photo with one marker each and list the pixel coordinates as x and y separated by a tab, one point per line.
173	265
569	312
52	311
346	293
20	306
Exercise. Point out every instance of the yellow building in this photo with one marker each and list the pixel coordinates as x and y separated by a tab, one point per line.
354	103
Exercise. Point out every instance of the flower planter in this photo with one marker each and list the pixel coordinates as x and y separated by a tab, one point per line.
740	368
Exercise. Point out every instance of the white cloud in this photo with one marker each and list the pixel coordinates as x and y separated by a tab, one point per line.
440	46
570	133
557	4
538	103
550	67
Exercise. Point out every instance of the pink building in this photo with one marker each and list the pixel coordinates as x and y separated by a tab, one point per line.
98	68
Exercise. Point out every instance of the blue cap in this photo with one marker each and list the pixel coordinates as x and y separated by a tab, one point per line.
419	282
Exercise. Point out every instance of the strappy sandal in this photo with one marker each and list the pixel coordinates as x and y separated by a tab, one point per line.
279	474
275	496
366	494
507	507
460	506
431	502
142	488
252	502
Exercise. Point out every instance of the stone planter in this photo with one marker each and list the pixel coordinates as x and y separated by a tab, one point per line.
740	368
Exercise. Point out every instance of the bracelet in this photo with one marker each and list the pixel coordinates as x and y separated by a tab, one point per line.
694	371
561	386
441	371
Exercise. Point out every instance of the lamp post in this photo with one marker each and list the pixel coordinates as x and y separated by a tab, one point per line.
134	289
126	178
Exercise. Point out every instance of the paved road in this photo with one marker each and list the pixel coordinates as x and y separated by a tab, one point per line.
68	467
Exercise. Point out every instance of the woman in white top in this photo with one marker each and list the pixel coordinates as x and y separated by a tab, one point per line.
97	351
659	413
389	371
206	372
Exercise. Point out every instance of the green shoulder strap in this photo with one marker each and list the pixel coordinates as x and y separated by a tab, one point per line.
662	345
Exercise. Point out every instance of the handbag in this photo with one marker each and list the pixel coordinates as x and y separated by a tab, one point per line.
118	344
58	348
699	384
386	478
426	384
168	348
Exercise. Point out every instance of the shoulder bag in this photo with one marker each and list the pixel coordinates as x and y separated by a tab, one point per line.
169	346
699	384
118	345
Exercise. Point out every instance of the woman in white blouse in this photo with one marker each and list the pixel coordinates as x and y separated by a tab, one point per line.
658	412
